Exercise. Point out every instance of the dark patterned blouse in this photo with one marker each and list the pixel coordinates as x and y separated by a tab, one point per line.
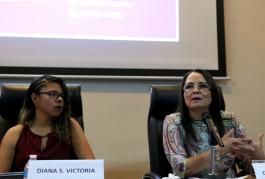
178	149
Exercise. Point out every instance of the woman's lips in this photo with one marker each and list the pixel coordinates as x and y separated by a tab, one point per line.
196	98
58	108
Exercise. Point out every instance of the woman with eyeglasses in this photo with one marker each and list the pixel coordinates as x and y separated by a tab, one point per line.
46	128
188	142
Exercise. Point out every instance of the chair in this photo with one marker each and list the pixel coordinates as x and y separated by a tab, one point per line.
164	101
222	100
11	101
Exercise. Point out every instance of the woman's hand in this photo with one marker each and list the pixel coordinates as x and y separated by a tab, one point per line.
240	147
228	140
257	145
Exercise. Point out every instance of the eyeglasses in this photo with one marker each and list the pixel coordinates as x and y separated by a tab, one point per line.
53	94
200	86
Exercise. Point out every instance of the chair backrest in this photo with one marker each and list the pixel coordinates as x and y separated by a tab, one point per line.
222	100
12	98
164	101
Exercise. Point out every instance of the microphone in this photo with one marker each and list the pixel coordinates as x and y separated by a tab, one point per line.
212	128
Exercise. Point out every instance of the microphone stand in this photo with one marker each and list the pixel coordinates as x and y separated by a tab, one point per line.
212	160
214	175
215	135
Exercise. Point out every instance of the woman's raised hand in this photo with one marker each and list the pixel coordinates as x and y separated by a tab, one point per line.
240	147
257	145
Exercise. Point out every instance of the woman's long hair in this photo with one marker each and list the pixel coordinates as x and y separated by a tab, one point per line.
61	125
214	108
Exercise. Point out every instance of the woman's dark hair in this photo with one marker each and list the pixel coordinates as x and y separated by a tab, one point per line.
61	126
214	108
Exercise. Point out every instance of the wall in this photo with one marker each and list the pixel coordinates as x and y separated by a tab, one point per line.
245	44
115	112
116	124
119	109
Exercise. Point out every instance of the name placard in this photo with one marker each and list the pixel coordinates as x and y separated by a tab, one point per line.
259	168
66	169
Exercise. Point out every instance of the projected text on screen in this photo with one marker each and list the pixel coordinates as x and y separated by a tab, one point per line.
146	20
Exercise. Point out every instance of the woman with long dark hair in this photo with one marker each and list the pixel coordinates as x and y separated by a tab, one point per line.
46	128
187	141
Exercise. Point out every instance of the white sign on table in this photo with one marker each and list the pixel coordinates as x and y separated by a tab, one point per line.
259	168
66	169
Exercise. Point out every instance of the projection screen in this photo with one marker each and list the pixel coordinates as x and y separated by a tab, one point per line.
110	38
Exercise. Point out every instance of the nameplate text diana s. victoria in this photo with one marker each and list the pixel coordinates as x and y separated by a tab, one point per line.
66	169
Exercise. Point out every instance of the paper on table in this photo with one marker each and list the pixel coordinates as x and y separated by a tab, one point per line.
171	176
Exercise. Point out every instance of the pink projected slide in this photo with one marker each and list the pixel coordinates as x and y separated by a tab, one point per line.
147	20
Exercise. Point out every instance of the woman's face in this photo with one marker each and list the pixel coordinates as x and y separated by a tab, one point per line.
197	93
49	101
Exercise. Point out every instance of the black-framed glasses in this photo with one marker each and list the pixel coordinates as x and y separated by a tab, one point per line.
53	94
200	86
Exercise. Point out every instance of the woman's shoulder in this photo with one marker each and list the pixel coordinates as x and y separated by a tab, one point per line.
173	118
74	121
227	115
230	121
16	130
173	126
13	134
75	124
229	118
